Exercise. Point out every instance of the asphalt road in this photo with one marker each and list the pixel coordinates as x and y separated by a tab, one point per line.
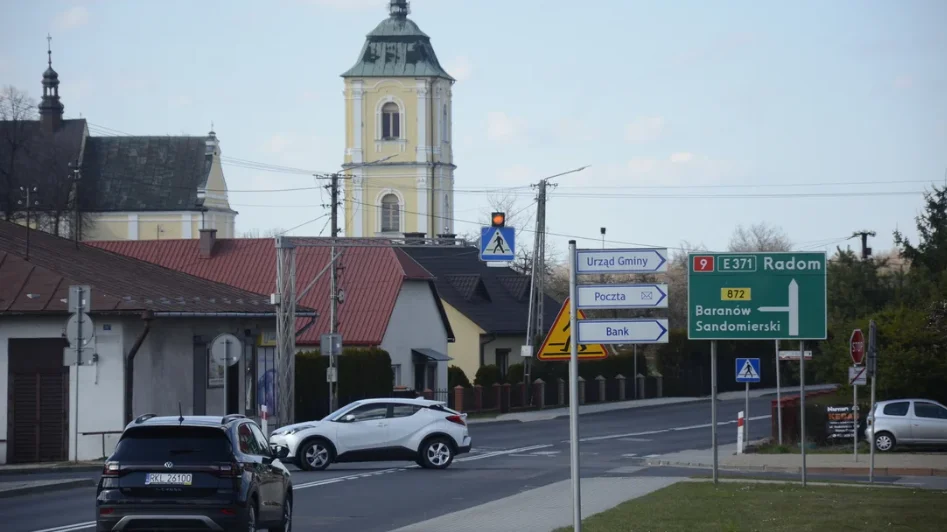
507	458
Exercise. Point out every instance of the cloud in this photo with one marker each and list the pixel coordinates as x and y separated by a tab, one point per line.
279	143
71	18
903	82
645	129
460	67
504	128
682	157
679	168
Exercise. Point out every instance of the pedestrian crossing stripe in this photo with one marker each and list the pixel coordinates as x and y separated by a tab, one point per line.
748	372
557	344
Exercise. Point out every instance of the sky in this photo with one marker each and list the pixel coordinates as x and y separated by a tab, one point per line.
819	118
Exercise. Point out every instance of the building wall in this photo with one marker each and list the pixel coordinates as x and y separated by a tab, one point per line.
426	197
170	225
415	322
465	350
164	373
511	342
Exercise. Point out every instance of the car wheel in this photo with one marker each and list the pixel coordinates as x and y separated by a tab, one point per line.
251	516
437	453
287	524
884	442
314	456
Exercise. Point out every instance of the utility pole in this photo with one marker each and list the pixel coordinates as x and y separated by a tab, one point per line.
866	251
76	176
333	290
29	201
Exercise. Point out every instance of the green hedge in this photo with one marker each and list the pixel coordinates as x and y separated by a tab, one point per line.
363	373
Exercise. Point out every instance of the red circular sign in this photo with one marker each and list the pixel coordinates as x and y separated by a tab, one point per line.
857	346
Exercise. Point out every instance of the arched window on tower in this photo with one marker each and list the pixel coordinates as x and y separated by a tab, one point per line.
445	129
390	214
390	121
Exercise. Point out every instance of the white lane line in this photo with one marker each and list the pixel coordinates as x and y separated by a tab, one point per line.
629	455
69	528
652	456
335	480
663	431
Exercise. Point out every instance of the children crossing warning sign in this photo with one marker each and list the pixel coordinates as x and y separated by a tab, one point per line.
558	346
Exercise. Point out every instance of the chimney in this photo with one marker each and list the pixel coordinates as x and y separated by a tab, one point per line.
414	238
448	239
208	239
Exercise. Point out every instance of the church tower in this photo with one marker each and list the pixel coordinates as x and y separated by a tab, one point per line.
398	155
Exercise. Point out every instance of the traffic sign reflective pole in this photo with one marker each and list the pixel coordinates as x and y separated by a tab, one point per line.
574	395
779	402
855	417
802	406
746	422
713	402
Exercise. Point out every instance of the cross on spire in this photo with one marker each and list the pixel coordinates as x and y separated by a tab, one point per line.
49	49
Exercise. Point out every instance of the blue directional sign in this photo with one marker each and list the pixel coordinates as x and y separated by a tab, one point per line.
599	296
497	244
621	261
748	370
631	331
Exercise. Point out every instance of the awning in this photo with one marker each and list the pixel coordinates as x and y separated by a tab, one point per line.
423	354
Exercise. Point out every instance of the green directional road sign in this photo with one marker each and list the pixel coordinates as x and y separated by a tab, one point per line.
756	296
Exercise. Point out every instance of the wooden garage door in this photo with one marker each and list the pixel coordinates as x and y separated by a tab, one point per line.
37	402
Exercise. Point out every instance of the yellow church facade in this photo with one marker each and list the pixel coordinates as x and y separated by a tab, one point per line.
398	154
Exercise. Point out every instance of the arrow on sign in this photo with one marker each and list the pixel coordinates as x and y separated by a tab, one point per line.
792	308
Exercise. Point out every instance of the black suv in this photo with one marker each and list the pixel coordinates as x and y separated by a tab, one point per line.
194	473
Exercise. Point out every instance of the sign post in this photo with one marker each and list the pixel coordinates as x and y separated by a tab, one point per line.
856	347
574	396
779	398
873	373
748	370
757	296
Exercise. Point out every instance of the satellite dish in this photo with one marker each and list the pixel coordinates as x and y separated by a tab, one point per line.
226	349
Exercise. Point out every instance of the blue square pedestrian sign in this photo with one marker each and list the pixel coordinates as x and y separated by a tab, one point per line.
748	370
497	244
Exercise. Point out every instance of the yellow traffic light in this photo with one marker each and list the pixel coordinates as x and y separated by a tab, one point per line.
499	219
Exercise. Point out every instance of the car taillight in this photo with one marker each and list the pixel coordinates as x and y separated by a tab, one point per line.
111	469
229	470
457	419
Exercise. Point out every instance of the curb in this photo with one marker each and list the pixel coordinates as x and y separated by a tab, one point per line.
860	471
49	487
68	468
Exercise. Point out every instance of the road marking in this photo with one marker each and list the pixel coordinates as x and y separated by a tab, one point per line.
629	455
635	439
652	455
501	453
69	528
662	431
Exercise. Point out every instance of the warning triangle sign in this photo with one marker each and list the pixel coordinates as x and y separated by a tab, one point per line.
557	345
748	372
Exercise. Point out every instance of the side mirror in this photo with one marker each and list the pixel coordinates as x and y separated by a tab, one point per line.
349	418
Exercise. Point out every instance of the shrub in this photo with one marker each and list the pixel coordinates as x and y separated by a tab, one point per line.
487	376
363	373
456	377
514	374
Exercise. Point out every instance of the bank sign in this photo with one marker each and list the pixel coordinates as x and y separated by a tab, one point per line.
756	296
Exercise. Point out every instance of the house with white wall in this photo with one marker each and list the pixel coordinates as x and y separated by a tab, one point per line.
389	301
150	332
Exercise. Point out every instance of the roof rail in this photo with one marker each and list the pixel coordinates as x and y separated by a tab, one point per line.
231	417
144	417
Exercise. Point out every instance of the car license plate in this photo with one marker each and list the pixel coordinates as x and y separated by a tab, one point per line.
173	479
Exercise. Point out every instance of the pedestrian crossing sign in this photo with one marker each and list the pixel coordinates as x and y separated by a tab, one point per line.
557	344
497	244
748	370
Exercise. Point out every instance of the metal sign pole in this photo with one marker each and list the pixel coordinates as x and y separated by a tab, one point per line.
713	402
779	402
873	373
802	406
746	418
855	417
574	395
79	296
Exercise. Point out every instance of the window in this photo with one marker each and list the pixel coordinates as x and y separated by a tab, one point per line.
897	409
929	410
179	444
445	131
261	441
390	214
390	121
503	362
369	412
396	375
247	441
404	410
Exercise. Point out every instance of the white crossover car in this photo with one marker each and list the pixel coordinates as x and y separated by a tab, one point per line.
378	430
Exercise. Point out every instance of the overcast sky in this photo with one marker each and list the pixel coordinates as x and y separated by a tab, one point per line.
819	117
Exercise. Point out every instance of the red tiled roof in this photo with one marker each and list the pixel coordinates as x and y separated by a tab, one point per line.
118	284
371	277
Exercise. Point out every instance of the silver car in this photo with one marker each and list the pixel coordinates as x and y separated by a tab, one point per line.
907	422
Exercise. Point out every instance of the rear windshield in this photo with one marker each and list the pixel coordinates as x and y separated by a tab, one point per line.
175	444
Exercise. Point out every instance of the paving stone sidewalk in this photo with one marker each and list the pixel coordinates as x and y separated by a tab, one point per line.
50	467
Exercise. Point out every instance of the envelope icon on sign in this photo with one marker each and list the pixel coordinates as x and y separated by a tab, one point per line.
647	296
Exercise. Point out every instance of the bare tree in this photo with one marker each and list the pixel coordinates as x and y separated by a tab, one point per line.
759	237
677	284
266	233
16	110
